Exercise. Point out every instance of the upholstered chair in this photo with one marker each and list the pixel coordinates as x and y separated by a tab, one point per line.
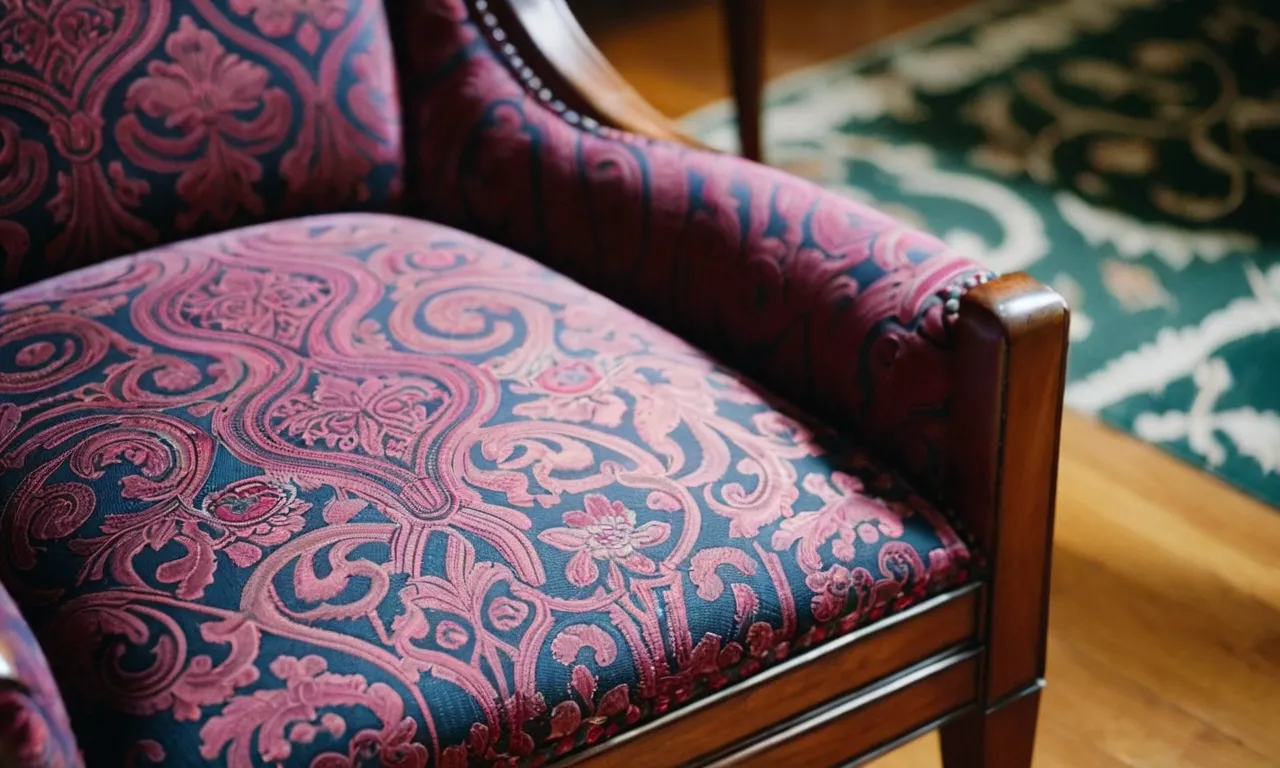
373	392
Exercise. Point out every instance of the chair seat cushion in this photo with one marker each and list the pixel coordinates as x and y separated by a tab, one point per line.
373	489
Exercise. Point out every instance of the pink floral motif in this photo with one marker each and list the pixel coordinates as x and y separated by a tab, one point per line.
54	41
575	391
176	375
572	378
271	305
281	717
201	93
256	513
831	590
708	664
381	417
605	531
847	513
603	717
574	638
276	18
484	744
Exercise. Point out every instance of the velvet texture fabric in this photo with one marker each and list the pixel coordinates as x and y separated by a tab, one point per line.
360	489
34	730
824	300
137	122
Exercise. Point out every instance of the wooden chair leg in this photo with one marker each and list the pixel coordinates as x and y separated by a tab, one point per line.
1000	738
744	22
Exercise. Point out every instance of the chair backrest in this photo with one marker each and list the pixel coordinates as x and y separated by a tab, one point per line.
132	123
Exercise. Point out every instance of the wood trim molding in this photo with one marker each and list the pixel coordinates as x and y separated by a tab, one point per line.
548	50
798	686
1011	345
868	719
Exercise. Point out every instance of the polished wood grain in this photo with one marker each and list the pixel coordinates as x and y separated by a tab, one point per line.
827	674
547	38
860	725
1011	348
1001	737
744	25
1011	345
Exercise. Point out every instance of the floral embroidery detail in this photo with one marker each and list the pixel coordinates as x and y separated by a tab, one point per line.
271	305
570	378
605	531
57	44
381	417
831	589
201	94
603	718
847	513
257	513
575	391
292	715
276	18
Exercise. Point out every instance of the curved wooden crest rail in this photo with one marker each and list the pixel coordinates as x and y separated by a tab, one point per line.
970	662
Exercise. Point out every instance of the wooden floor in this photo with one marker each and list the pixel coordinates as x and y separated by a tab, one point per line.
1164	645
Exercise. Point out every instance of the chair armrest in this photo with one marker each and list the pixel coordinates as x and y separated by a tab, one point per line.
34	729
823	300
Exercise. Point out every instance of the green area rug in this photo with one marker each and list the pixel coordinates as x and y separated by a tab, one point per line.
1126	152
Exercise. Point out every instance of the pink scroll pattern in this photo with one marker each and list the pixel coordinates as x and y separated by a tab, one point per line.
360	489
821	298
127	123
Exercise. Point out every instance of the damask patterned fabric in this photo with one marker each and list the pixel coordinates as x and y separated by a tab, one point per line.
133	122
1113	149
822	299
34	730
360	489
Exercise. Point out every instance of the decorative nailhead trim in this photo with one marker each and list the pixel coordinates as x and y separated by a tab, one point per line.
532	83
951	294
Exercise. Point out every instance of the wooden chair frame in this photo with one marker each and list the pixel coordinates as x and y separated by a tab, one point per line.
969	662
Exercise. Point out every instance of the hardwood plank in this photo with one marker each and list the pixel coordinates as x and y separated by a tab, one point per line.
1164	630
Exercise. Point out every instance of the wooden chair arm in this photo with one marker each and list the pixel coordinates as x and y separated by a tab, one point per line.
1011	345
547	39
